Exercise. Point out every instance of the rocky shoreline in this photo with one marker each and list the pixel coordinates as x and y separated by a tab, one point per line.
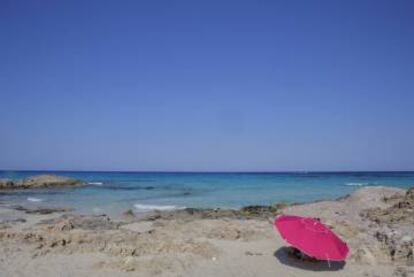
376	222
40	181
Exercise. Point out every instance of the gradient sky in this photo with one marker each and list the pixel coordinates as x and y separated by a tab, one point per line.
207	85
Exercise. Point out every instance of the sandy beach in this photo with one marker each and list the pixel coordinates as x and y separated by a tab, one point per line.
207	138
376	222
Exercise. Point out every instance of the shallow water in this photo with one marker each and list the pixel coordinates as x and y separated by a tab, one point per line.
114	192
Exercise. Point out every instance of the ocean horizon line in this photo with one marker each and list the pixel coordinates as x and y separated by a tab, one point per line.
213	171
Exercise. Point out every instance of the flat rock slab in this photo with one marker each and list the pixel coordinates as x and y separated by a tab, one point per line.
41	210
139	227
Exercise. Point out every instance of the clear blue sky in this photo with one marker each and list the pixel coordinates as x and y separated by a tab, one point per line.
207	85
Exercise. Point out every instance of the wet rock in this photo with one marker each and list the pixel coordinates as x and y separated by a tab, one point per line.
128	213
47	210
263	211
41	210
192	213
259	212
14	220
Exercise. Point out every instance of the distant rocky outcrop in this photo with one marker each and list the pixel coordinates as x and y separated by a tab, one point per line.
40	181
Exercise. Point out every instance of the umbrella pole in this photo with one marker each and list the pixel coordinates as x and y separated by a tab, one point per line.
329	262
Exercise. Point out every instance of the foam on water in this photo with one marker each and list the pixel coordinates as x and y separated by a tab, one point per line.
97	210
156	207
355	184
33	199
95	183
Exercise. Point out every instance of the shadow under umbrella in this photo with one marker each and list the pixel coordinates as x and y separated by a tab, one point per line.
287	255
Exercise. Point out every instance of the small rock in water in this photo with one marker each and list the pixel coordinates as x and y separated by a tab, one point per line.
128	212
47	210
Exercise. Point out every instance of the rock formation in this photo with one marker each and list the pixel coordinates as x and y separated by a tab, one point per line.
40	181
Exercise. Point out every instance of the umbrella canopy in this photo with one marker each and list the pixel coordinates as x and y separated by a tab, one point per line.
311	237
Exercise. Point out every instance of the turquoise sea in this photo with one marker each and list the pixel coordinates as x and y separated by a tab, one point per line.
114	192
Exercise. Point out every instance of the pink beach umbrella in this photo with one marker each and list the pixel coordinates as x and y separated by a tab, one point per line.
311	237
